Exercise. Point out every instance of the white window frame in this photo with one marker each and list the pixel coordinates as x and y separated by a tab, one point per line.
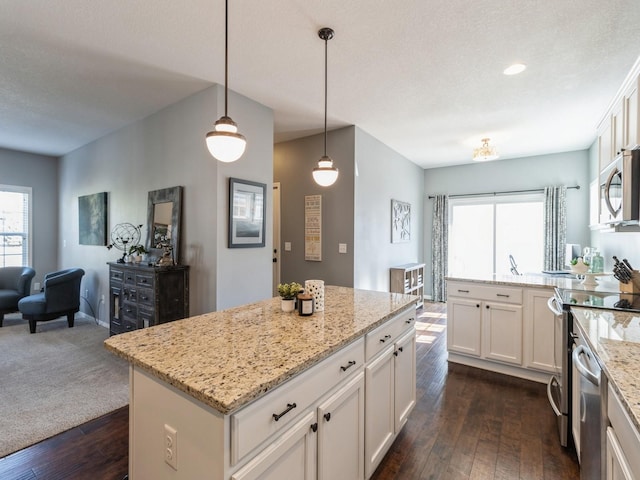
29	192
493	200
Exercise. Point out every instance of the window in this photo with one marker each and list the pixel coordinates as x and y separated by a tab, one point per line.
15	222
484	231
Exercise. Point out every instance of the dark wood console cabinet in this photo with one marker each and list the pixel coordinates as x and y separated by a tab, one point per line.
142	296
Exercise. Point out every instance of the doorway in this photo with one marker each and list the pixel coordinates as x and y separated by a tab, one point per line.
276	238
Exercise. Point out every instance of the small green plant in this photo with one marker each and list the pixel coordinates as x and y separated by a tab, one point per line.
137	250
288	291
575	261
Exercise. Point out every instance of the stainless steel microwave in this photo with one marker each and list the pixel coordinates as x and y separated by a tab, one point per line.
620	190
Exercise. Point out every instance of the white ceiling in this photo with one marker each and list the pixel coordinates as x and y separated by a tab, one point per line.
422	76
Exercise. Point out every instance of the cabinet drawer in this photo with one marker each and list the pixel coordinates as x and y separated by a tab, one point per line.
255	423
117	275
129	277
145	296
481	291
144	280
129	311
384	335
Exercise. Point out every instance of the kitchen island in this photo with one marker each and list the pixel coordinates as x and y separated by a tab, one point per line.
502	323
252	392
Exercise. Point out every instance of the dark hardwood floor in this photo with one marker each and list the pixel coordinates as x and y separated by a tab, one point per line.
467	424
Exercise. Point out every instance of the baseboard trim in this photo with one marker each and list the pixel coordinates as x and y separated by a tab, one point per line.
84	316
513	371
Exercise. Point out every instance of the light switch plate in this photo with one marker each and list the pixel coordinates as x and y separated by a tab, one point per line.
342	248
287	246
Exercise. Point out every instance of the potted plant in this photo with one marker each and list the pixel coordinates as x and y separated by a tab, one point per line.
288	293
136	252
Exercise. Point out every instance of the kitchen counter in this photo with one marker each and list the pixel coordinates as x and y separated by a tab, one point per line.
227	359
615	338
537	280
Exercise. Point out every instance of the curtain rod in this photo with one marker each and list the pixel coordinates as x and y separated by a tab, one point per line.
533	190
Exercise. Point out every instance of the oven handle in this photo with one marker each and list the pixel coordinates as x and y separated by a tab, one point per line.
584	371
552	303
556	410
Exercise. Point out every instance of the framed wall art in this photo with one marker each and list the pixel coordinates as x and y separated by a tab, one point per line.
92	218
400	222
247	209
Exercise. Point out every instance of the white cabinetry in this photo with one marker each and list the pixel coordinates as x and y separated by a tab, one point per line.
623	442
502	328
485	321
542	332
310	427
390	382
631	124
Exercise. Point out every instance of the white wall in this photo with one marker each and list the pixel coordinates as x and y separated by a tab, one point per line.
164	150
383	175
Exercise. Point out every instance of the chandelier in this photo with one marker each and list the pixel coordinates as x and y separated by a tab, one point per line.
485	152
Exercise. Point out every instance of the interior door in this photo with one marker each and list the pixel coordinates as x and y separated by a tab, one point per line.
276	238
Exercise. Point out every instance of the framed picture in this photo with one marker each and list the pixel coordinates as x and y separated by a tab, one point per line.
400	222
247	209
92	217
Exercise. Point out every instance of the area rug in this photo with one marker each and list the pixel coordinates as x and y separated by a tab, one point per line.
55	379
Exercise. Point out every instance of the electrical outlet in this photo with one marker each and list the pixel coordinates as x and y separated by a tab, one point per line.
102	298
171	446
342	248
36	287
86	293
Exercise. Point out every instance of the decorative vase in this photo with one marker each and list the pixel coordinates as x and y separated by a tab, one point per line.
315	288
288	305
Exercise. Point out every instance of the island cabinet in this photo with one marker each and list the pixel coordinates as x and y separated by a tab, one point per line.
197	416
622	441
141	296
503	328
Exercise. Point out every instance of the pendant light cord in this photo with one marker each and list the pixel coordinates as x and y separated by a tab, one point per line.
326	40
226	56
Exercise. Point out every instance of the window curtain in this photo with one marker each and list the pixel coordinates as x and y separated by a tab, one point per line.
439	240
555	227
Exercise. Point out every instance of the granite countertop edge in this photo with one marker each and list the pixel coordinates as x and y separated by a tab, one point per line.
259	388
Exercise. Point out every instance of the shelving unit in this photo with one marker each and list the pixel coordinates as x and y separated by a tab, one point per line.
409	279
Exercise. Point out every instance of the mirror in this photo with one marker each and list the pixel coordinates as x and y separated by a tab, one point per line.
164	214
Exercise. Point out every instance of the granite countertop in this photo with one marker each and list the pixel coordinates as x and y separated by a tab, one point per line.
614	336
228	358
530	280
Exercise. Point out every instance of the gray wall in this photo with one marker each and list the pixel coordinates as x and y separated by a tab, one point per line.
570	168
293	163
41	174
383	175
164	150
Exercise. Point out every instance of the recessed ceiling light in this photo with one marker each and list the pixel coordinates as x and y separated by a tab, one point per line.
514	69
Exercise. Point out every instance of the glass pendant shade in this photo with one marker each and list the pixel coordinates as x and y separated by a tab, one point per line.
485	153
224	142
325	174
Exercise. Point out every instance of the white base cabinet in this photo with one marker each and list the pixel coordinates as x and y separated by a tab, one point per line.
622	461
503	328
323	414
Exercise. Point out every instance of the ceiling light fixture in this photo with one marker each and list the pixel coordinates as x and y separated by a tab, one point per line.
224	142
325	174
515	69
485	152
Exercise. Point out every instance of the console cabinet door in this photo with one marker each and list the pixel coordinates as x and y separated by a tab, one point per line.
292	455
379	408
617	466
341	433
405	378
543	332
502	332
463	325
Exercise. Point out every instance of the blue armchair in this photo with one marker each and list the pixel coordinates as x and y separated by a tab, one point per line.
60	296
15	283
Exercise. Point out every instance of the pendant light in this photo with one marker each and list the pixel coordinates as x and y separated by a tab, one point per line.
325	174
224	142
